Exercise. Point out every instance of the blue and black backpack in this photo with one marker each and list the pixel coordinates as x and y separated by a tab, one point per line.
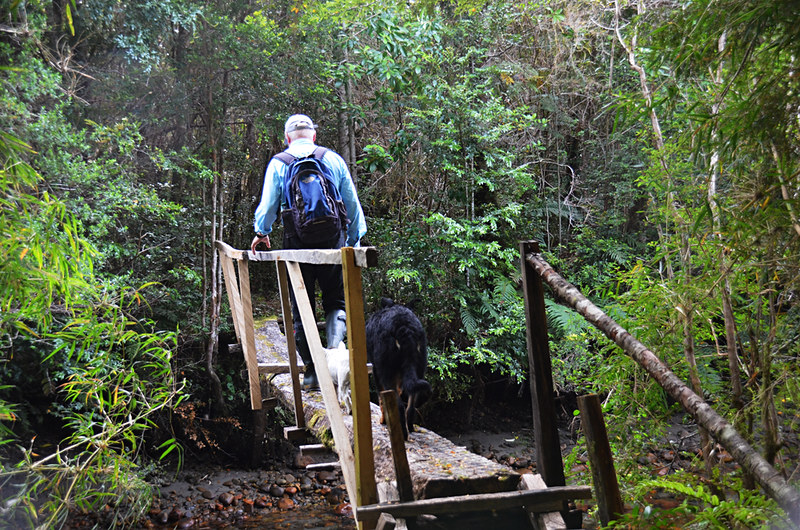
312	207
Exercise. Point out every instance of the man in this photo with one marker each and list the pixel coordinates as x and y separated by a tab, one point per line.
300	133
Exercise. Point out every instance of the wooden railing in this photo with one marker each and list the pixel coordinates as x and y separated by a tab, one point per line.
357	461
535	271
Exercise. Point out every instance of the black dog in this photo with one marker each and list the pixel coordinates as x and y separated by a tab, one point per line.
398	351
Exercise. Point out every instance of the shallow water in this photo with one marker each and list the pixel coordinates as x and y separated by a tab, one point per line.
298	520
306	518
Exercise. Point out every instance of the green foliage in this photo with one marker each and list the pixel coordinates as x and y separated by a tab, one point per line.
472	125
701	508
109	375
102	373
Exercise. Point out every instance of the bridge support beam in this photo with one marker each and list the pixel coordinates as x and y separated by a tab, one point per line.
545	429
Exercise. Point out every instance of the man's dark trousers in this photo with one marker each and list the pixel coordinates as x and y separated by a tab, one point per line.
331	285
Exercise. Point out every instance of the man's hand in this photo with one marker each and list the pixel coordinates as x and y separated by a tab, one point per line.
257	240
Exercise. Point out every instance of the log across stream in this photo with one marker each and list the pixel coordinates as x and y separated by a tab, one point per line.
439	468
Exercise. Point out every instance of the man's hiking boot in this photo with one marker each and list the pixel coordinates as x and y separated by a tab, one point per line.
335	327
310	381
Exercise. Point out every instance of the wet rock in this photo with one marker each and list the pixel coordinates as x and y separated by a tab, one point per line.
326	476
162	517
226	498
290	490
286	503
247	505
335	496
186	522
344	509
289	478
276	491
522	462
262	502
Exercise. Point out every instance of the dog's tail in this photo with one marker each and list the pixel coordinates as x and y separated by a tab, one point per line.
414	348
414	386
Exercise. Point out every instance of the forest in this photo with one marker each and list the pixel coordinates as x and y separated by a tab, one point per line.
652	148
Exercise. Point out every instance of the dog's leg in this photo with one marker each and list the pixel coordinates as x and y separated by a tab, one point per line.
403	423
344	389
410	413
380	389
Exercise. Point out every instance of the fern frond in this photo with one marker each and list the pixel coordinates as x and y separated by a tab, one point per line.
469	321
563	319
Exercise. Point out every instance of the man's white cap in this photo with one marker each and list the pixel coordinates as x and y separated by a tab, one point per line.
297	122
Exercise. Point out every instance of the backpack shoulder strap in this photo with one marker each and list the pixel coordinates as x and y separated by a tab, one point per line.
319	152
285	157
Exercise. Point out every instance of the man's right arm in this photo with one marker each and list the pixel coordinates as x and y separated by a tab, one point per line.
268	207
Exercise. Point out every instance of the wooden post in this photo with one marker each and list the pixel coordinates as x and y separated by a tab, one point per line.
401	472
545	429
386	522
242	308
234	296
366	490
334	411
606	488
288	327
249	335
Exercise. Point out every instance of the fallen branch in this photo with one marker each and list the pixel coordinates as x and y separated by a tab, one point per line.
786	495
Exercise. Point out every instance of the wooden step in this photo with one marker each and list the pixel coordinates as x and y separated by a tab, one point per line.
277	368
295	434
314	449
324	466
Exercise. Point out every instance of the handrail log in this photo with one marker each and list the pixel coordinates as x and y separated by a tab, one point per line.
543	500
785	494
364	256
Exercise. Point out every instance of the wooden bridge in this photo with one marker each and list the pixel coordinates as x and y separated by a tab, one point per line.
387	478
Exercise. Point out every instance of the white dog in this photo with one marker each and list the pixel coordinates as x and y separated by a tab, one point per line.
339	368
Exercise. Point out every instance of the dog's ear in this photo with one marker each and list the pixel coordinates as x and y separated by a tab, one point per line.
412	305
386	302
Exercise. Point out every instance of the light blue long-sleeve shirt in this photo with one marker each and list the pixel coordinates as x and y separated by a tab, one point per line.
269	208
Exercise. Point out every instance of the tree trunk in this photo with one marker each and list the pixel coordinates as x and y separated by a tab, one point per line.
218	402
688	345
775	486
769	416
658	137
724	267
